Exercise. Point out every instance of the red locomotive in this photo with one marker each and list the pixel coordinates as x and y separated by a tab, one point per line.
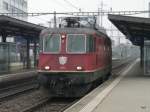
72	59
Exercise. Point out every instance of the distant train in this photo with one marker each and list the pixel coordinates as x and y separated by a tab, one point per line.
73	59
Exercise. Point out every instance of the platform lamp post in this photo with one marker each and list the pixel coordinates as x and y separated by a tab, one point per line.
35	53
28	54
101	13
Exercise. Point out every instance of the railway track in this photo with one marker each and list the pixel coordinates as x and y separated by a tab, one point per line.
17	89
14	84
36	101
33	107
51	105
24	102
117	67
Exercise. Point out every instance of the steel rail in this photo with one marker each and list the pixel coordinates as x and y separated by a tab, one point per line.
17	89
36	105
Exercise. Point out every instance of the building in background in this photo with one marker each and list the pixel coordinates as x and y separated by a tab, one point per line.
14	6
11	48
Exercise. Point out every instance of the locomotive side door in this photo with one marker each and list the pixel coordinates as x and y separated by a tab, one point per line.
99	50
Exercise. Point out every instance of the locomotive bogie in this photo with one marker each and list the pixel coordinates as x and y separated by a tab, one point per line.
67	84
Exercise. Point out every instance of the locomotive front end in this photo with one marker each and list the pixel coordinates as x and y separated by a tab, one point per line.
74	57
66	60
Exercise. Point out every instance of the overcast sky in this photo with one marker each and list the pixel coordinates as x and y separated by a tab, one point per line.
84	5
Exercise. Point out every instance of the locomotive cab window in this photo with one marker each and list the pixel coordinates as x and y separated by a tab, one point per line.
51	43
76	43
90	43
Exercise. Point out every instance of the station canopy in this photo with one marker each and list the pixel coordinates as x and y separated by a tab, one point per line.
136	29
13	27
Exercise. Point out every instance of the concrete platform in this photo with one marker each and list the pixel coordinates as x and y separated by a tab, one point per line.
130	92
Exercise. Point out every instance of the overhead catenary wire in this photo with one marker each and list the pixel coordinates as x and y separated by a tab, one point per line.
40	18
75	7
94	13
66	1
60	4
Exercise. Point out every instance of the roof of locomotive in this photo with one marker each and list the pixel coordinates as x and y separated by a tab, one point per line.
73	31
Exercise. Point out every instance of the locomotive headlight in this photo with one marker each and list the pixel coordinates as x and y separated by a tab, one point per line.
63	36
79	68
47	67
